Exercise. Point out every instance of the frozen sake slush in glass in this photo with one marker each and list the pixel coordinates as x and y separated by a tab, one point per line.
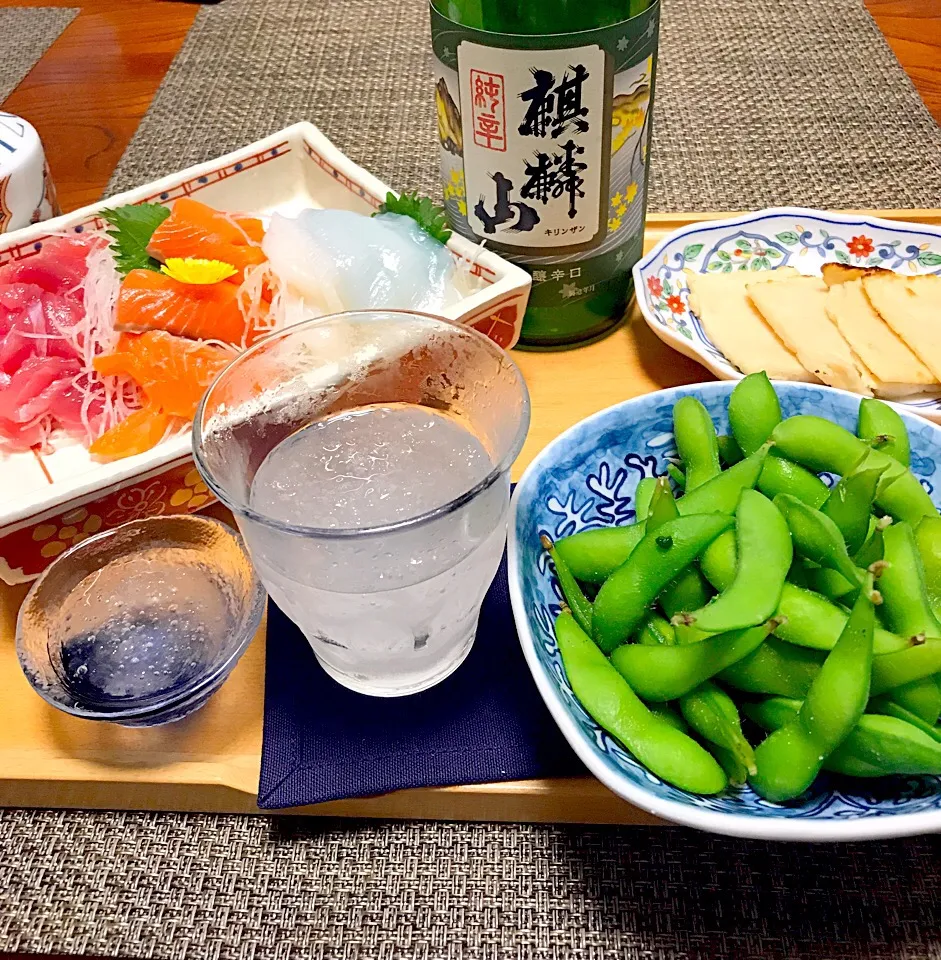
366	458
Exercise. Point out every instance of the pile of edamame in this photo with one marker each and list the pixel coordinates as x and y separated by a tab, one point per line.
815	612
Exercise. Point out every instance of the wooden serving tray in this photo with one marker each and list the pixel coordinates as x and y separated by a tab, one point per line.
210	762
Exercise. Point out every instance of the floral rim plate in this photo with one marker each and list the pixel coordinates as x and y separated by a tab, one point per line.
586	478
767	239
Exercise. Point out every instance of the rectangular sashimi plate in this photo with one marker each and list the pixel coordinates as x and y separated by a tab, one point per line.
52	500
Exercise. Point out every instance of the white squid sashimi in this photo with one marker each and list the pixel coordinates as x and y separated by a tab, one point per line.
338	260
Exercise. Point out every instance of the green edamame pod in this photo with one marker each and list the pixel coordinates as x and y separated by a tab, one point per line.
666	673
921	697
809	620
919	661
791	757
754	411
928	541
878	746
689	589
713	715
593	555
817	537
831	584
642	497
905	608
775	668
572	593
894	746
687	592
844	762
666	713
734	769
662	505
874	547
777	711
763	549
882	428
602	691
849	506
801	573
722	493
676	475
782	476
815	622
624	597
821	445
695	435
730	452
656	632
772	712
891	708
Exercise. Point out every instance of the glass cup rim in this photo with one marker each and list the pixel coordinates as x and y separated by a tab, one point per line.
153	704
332	533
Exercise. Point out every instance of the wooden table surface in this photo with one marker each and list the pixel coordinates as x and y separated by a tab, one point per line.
87	96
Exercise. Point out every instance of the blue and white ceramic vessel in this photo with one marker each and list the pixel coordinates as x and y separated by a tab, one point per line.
764	240
586	478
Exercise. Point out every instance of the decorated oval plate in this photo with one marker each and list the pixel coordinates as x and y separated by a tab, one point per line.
586	478
765	240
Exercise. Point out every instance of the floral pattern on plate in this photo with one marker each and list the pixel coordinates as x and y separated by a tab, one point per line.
787	236
586	478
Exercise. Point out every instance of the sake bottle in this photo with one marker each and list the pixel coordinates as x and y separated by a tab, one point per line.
544	121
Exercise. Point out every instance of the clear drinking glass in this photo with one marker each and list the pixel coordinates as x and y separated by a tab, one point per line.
366	459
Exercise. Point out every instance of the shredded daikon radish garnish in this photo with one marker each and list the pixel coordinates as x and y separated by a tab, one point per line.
47	427
267	302
286	307
94	335
100	290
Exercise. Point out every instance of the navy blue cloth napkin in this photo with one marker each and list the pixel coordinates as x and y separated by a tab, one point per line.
484	723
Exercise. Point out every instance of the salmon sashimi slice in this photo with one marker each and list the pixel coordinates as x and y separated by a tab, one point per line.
253	227
172	371
196	230
154	301
137	433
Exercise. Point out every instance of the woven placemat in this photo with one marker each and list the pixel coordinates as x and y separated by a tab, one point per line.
26	33
758	103
199	888
763	102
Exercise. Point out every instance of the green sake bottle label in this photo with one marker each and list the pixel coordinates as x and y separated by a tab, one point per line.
544	146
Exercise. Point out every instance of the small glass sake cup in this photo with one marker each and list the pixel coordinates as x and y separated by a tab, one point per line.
141	624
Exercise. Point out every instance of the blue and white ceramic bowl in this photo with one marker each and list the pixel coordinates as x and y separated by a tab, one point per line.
586	478
767	239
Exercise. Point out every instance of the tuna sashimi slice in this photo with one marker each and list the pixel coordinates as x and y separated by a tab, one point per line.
59	267
31	389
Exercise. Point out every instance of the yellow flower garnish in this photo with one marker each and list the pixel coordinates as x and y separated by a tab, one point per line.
196	270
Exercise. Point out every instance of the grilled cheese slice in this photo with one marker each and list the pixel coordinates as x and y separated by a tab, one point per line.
735	327
837	273
795	309
911	306
896	371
